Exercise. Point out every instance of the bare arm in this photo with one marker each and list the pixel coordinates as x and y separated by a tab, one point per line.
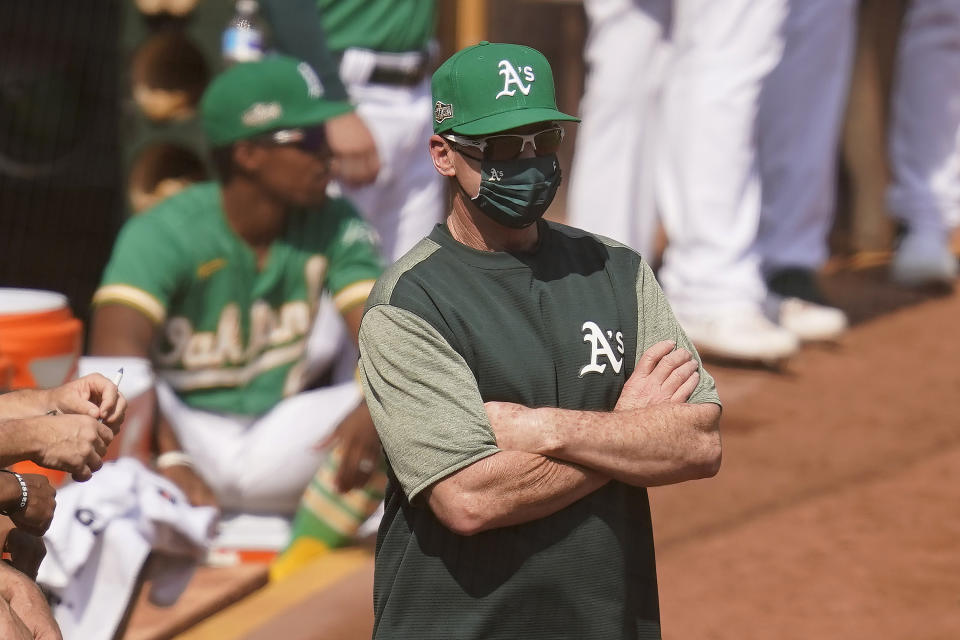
25	600
352	318
118	330
507	488
647	447
91	395
651	438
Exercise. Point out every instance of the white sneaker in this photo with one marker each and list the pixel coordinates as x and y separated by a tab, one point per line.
808	321
743	335
924	258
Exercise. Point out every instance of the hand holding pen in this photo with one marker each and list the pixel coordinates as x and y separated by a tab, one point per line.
93	395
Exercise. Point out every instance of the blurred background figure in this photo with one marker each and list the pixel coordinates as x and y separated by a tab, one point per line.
378	54
625	52
799	121
382	51
924	145
219	287
703	166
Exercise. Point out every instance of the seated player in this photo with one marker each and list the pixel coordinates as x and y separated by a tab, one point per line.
220	285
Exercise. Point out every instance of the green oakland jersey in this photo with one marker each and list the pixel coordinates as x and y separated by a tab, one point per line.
448	328
233	336
381	25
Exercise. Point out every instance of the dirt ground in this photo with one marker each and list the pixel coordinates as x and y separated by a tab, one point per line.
836	513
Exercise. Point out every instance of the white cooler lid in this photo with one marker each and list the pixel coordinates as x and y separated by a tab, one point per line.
14	301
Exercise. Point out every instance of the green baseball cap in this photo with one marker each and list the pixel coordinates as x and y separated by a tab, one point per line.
251	98
491	87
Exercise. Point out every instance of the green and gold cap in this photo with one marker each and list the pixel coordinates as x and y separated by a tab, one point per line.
491	87
251	98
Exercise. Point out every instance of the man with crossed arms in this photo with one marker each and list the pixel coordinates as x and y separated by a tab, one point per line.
524	381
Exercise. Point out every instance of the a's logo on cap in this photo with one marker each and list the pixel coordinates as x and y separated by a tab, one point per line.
511	78
442	111
261	113
314	87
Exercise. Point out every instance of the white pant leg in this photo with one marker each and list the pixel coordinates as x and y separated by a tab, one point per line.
611	187
260	465
801	111
707	181
407	198
925	125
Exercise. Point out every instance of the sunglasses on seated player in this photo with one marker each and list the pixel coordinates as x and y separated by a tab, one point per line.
507	146
311	140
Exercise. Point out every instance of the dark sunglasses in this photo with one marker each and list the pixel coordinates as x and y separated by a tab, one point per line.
312	140
510	145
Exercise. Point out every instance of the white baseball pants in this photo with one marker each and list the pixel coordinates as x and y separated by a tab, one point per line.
263	464
260	465
407	198
611	189
801	113
925	126
703	159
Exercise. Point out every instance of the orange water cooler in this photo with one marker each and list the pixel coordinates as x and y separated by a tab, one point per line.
40	339
40	345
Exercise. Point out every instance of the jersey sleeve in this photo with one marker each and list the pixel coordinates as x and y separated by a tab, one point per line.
423	398
144	269
656	322
354	259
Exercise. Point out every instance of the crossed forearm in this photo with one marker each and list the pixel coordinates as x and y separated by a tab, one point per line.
508	488
24	403
661	444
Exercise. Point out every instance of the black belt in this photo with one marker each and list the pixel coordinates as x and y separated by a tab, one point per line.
400	77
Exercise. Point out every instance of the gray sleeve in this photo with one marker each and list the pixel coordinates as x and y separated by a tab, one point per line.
656	322
423	398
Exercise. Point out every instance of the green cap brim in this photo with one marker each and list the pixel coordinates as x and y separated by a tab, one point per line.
510	120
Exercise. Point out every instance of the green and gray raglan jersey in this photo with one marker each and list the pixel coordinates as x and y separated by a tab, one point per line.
392	26
448	328
232	337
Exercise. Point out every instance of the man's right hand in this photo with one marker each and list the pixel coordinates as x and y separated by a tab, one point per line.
193	486
662	375
73	443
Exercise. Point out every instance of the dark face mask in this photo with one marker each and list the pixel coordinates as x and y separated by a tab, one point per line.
516	193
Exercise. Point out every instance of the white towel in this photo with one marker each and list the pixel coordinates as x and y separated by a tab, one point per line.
101	534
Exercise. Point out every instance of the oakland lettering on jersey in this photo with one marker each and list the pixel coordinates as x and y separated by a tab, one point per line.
511	78
276	337
600	347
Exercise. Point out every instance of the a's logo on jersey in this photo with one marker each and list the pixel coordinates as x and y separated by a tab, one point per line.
442	111
600	348
511	78
495	176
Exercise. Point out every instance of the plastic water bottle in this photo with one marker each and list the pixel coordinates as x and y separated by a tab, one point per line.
243	39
